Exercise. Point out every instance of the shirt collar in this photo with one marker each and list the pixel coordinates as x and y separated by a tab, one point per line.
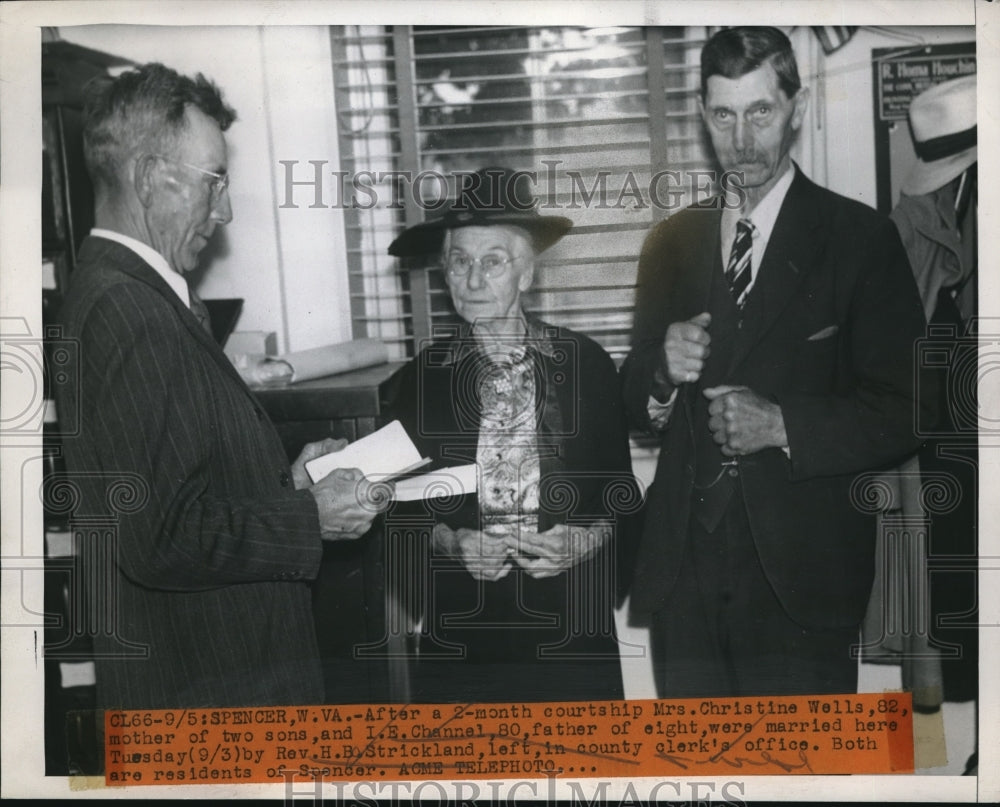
155	260
765	214
538	336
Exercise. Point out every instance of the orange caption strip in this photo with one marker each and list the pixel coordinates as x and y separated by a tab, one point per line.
868	733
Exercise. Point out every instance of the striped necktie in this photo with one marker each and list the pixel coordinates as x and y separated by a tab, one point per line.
738	269
200	311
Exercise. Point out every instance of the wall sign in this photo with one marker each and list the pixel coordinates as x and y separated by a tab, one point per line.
900	75
899	80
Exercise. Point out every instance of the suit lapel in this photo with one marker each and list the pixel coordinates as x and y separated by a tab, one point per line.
695	286
127	262
795	245
706	262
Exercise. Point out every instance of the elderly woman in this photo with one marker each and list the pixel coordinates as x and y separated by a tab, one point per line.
520	591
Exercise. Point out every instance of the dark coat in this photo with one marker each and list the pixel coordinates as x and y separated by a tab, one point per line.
585	476
206	578
828	333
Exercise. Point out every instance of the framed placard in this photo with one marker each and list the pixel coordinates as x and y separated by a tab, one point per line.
899	76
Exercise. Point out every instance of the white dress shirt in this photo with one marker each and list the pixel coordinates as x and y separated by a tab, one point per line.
159	264
763	217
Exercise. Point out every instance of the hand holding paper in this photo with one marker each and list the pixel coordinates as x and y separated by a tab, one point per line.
348	489
310	452
348	503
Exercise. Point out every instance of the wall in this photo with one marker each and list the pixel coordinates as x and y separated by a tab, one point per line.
848	108
287	264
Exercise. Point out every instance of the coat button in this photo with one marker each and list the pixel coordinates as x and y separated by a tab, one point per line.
284	479
733	472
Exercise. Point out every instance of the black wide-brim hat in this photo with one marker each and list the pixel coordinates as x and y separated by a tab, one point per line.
488	197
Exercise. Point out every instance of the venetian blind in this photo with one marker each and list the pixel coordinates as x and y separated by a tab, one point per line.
605	118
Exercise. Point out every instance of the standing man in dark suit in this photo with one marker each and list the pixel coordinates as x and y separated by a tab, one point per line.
207	572
773	345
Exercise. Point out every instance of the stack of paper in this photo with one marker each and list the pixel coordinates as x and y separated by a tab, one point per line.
318	362
437	484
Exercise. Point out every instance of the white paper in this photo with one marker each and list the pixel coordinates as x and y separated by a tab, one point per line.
382	454
331	359
77	674
452	481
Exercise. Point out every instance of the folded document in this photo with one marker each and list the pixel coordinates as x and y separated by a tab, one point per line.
381	455
390	453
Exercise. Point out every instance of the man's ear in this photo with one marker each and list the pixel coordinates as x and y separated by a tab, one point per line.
801	102
144	178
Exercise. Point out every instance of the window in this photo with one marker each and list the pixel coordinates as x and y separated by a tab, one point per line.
605	118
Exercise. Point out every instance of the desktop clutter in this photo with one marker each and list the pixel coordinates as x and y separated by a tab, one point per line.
253	353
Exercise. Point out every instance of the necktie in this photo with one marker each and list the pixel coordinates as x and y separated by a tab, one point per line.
738	269
200	310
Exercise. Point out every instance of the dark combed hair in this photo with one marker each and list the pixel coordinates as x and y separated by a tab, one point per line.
142	109
734	52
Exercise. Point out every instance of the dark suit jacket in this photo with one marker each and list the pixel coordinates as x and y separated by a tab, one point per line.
828	334
212	545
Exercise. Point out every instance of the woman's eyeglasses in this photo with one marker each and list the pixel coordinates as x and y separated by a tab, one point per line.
459	264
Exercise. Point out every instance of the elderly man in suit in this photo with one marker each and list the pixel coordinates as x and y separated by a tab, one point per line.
772	345
209	574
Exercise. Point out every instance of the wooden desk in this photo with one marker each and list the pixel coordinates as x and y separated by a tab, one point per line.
347	405
361	662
